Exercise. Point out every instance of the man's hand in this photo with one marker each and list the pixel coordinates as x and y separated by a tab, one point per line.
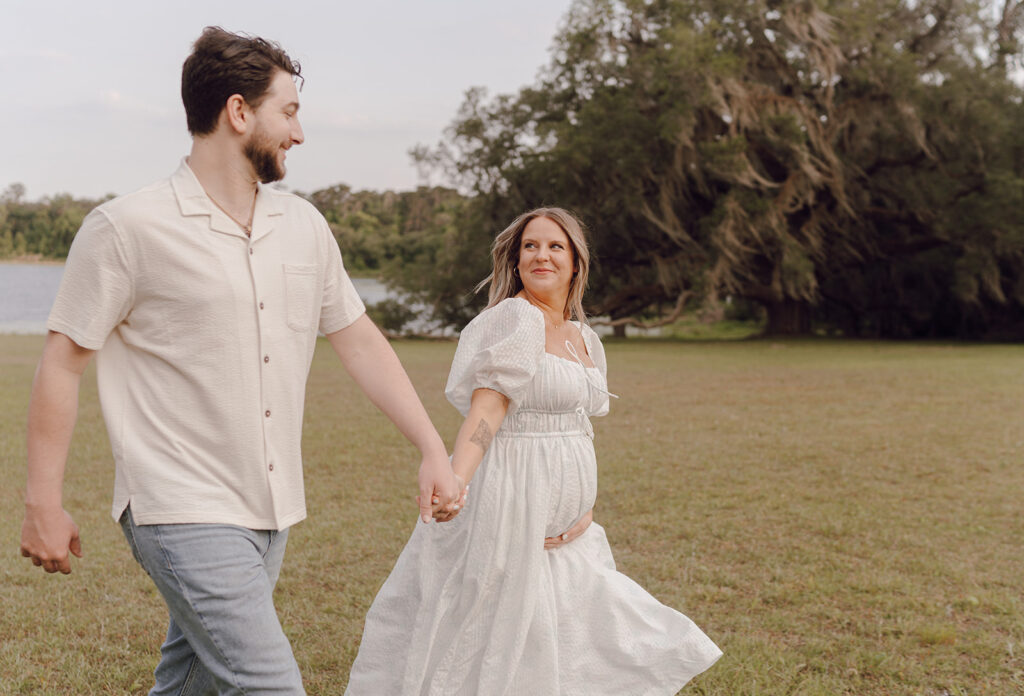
439	487
572	534
46	537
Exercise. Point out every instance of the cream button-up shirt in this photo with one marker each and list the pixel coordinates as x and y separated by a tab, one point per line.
205	339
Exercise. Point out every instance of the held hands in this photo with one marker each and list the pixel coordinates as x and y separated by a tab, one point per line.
572	534
46	537
448	512
440	489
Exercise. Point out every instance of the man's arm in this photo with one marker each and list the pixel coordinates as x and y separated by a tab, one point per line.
372	363
48	532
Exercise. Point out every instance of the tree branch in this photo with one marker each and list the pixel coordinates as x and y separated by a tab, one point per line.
677	311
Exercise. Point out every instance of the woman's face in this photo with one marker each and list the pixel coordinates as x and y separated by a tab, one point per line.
546	261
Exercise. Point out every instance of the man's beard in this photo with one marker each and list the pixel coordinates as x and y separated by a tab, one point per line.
262	154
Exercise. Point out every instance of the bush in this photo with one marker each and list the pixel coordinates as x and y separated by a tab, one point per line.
391	314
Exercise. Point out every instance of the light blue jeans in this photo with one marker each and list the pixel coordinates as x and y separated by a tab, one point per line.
218	580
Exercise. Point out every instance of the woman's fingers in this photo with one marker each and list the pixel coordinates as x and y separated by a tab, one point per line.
574	533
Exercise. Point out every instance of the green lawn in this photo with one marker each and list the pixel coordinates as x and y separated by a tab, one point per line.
841	517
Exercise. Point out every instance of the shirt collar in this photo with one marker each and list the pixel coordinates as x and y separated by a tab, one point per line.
193	200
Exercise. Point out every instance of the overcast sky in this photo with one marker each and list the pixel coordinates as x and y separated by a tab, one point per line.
91	100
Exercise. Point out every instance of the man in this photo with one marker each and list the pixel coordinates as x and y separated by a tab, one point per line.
201	297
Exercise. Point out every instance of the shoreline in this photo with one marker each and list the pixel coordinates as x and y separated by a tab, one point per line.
33	260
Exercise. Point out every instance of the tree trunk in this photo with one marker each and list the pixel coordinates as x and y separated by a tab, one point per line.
619	331
788	318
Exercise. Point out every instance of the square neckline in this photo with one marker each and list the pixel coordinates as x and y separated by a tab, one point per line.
571	361
579	327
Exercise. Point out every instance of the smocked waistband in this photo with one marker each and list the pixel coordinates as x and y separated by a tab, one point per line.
533	423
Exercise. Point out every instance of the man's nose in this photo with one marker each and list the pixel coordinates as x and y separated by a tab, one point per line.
298	137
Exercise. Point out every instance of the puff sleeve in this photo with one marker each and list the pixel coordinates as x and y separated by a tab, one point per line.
500	350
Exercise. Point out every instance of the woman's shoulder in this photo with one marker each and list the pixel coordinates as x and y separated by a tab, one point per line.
507	315
590	336
592	341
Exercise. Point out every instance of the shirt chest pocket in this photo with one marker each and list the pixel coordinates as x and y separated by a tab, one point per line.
301	296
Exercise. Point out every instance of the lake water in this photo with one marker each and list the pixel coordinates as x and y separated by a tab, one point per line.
27	292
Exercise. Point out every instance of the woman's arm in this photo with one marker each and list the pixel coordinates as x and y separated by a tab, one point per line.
486	412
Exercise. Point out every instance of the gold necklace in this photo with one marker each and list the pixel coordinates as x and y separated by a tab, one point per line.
247	228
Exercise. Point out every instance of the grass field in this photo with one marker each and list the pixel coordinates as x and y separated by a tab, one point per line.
841	517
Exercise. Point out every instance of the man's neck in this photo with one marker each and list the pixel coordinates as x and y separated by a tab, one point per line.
225	174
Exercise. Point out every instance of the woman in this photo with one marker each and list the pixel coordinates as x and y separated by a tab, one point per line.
518	594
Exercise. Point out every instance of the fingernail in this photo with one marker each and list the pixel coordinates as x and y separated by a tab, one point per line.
455	507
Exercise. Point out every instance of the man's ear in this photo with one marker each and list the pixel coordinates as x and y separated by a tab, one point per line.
237	114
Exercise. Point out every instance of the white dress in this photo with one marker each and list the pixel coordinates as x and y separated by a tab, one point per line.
477	606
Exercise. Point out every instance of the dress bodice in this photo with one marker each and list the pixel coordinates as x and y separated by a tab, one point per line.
559	399
503	349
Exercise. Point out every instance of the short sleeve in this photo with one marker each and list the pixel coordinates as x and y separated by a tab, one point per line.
500	350
596	350
97	289
341	303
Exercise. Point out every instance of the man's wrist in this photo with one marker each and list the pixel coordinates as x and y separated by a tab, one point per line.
434	450
43	505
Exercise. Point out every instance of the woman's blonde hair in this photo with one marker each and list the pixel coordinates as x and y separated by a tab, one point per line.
504	282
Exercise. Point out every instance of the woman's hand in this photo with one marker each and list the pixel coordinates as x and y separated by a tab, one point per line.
572	534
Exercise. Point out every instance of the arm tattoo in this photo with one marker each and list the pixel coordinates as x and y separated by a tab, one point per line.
482	436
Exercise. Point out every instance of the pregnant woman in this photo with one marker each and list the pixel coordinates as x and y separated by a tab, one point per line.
518	594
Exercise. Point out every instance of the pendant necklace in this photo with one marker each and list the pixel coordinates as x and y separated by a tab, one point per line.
247	228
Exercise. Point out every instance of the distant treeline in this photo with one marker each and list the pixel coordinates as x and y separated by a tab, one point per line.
852	169
42	228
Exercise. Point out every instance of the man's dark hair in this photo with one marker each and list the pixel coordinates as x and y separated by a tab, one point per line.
223	64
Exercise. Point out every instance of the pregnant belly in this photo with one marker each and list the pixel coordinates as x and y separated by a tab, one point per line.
573	491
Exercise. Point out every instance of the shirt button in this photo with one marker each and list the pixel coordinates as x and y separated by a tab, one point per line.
266	358
250	251
267	413
271	467
261	305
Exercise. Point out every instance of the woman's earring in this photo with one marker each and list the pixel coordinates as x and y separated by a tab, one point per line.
515	271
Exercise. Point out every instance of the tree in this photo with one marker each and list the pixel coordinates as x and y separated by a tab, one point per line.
937	193
411	241
13	194
778	151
